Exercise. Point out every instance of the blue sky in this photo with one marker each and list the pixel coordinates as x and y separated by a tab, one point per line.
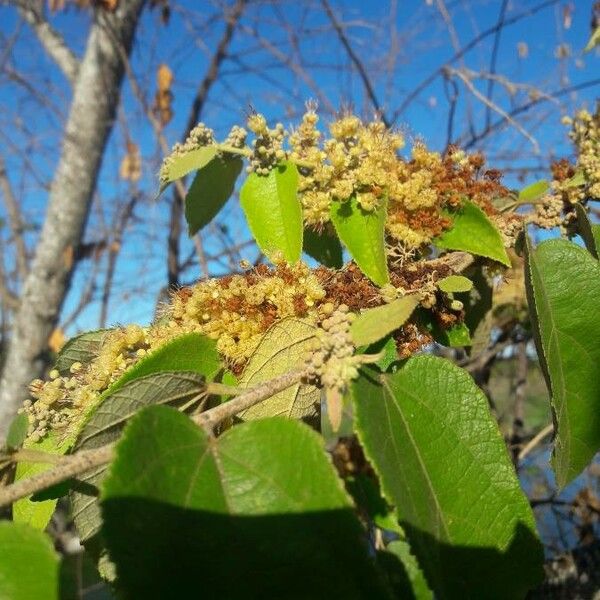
399	49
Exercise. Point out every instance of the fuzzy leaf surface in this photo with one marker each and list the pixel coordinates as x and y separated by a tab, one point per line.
81	348
246	515
563	287
273	211
282	349
363	234
473	232
428	432
210	190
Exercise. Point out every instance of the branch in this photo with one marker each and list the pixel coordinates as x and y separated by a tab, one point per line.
458	55
51	40
354	58
15	219
176	214
84	460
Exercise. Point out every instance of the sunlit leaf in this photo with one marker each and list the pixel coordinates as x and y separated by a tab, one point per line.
29	566
273	211
533	192
428	432
563	288
282	349
473	232
375	323
455	283
363	234
258	512
180	165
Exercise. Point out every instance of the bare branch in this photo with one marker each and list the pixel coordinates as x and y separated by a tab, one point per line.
355	60
51	40
85	460
15	220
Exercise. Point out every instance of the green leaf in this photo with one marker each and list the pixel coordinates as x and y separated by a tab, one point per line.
404	572
533	192
81	348
473	232
593	41
363	234
428	432
590	232
29	566
181	164
458	336
36	514
563	287
576	181
455	284
478	312
282	348
191	352
375	323
257	513
176	389
273	211
365	491
323	247
17	432
210	190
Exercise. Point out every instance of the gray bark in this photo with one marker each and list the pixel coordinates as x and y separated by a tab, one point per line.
91	115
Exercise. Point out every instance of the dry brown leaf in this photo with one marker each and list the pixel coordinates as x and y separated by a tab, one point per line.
163	100
131	165
56	340
164	78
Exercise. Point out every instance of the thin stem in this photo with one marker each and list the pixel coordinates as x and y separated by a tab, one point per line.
84	460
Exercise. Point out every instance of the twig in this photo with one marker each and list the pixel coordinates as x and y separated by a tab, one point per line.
534	441
84	460
464	77
53	42
355	60
469	46
176	213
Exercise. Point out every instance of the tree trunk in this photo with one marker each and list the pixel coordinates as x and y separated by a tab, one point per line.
94	102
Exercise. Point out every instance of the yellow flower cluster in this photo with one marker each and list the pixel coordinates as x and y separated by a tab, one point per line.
585	134
234	310
238	309
267	146
556	209
199	136
61	402
362	159
357	159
